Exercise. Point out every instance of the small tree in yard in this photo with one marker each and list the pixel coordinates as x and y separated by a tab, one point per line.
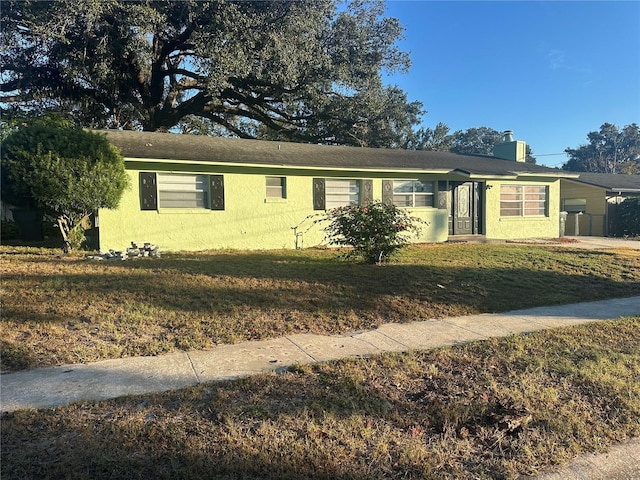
375	231
63	171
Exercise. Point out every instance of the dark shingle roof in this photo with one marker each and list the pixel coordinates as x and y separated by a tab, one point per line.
610	181
168	146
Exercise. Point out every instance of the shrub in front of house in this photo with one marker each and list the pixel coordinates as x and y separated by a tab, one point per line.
9	230
628	218
375	231
51	166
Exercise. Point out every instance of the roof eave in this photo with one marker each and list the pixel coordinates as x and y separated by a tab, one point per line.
271	166
622	190
568	176
608	188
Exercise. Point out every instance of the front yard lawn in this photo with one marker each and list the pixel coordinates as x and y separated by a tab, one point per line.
493	409
65	309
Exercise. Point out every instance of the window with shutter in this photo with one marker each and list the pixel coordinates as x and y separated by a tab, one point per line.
413	193
341	192
574	205
181	190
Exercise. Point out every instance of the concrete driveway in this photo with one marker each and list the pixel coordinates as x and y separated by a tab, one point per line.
602	242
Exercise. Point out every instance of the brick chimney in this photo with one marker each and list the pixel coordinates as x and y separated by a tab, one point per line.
511	149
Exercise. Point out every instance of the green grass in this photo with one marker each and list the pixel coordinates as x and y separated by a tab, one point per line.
65	309
492	409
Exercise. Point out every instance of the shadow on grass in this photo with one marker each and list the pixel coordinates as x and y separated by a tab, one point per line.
249	429
437	414
70	310
84	456
208	432
392	292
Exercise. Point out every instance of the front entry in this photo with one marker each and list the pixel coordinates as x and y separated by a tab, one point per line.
465	208
462	210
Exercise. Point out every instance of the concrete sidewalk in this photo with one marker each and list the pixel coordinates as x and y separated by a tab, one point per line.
621	462
56	386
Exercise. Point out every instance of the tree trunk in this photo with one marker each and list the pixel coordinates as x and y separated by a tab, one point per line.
63	225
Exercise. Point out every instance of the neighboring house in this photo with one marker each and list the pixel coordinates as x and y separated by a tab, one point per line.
591	201
194	192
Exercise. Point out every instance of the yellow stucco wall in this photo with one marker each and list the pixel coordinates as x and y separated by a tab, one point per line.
509	228
249	221
593	222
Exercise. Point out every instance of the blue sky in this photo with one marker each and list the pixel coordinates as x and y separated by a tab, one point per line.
550	71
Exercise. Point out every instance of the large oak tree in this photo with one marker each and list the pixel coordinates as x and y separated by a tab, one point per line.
301	70
610	150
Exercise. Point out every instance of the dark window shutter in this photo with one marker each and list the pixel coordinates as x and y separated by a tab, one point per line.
387	192
318	194
366	192
442	195
148	191
216	192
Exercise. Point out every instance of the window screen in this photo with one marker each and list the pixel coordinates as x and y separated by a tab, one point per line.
341	192
523	200
182	191
276	187
412	193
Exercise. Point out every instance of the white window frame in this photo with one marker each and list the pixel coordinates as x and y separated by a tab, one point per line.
183	191
524	200
413	193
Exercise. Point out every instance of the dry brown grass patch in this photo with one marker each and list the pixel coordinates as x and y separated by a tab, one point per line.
492	409
65	309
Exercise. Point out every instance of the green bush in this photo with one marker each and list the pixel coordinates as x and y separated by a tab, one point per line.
77	238
64	172
9	230
375	231
628	218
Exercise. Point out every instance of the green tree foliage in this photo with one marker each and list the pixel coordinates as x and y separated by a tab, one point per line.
610	150
628	218
61	170
471	141
293	69
437	139
375	231
476	140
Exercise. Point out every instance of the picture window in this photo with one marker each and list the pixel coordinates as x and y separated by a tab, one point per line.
523	201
